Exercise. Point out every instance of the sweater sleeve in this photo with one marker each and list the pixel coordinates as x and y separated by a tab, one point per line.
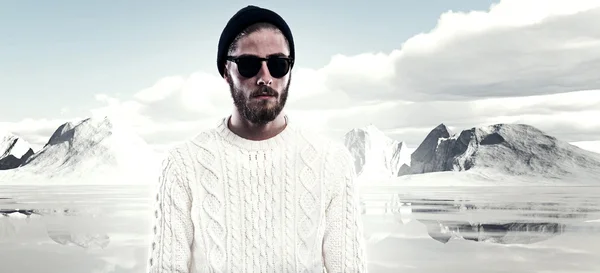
172	227
344	247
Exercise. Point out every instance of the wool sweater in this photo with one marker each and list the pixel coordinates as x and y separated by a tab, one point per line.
286	204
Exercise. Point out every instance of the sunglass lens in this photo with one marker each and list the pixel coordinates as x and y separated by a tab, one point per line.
248	66
278	67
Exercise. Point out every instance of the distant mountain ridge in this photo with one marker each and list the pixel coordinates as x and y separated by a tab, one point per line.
98	151
499	150
514	149
94	150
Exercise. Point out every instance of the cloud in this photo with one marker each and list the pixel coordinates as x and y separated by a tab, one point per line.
177	98
171	110
521	61
568	116
593	146
558	54
173	98
517	48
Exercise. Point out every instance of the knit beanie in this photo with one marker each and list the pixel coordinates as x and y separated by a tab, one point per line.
244	18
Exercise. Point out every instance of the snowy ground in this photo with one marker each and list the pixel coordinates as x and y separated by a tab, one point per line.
106	229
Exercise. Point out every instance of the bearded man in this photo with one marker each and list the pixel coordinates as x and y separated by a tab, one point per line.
256	193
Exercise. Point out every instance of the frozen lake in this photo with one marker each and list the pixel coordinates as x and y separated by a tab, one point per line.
408	229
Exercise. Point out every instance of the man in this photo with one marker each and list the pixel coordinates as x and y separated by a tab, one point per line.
256	193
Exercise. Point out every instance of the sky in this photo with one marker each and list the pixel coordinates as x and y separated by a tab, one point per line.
403	66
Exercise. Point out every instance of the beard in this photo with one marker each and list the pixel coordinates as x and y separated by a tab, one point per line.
261	111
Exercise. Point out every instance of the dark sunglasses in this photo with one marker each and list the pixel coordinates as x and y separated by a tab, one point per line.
248	65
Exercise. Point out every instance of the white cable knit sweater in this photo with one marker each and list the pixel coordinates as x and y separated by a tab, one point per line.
286	204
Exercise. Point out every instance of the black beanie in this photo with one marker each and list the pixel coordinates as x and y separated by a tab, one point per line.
241	20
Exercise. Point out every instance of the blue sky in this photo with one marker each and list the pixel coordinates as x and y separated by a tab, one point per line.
63	52
403	66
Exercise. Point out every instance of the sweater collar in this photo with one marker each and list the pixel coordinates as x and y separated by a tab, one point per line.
267	144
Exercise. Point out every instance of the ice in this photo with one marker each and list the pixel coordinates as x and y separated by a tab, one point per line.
407	228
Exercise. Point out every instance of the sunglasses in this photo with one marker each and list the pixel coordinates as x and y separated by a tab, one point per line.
249	65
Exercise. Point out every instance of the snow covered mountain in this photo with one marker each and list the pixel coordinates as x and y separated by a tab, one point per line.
92	151
375	154
13	151
424	157
504	149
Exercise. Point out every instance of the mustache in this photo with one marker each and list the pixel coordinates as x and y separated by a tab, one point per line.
264	91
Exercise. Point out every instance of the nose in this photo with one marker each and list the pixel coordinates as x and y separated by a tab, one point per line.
264	76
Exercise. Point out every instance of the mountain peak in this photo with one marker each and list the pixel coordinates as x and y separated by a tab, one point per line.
371	127
424	153
376	154
93	145
514	149
441	127
14	151
91	126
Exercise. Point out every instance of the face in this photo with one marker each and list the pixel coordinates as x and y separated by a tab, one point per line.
260	98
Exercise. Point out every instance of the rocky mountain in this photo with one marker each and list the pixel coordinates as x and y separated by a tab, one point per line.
424	158
510	149
375	154
13	151
94	150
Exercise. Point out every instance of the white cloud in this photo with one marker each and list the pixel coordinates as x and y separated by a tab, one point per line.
161	90
567	116
593	146
517	48
521	61
501	60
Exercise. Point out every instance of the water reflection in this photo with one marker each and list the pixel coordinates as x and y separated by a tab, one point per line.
407	229
507	233
60	230
488	214
494	231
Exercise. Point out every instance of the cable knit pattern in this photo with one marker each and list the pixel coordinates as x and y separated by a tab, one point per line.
286	204
289	212
212	202
173	229
344	227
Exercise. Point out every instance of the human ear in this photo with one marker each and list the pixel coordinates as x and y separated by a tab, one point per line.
226	73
